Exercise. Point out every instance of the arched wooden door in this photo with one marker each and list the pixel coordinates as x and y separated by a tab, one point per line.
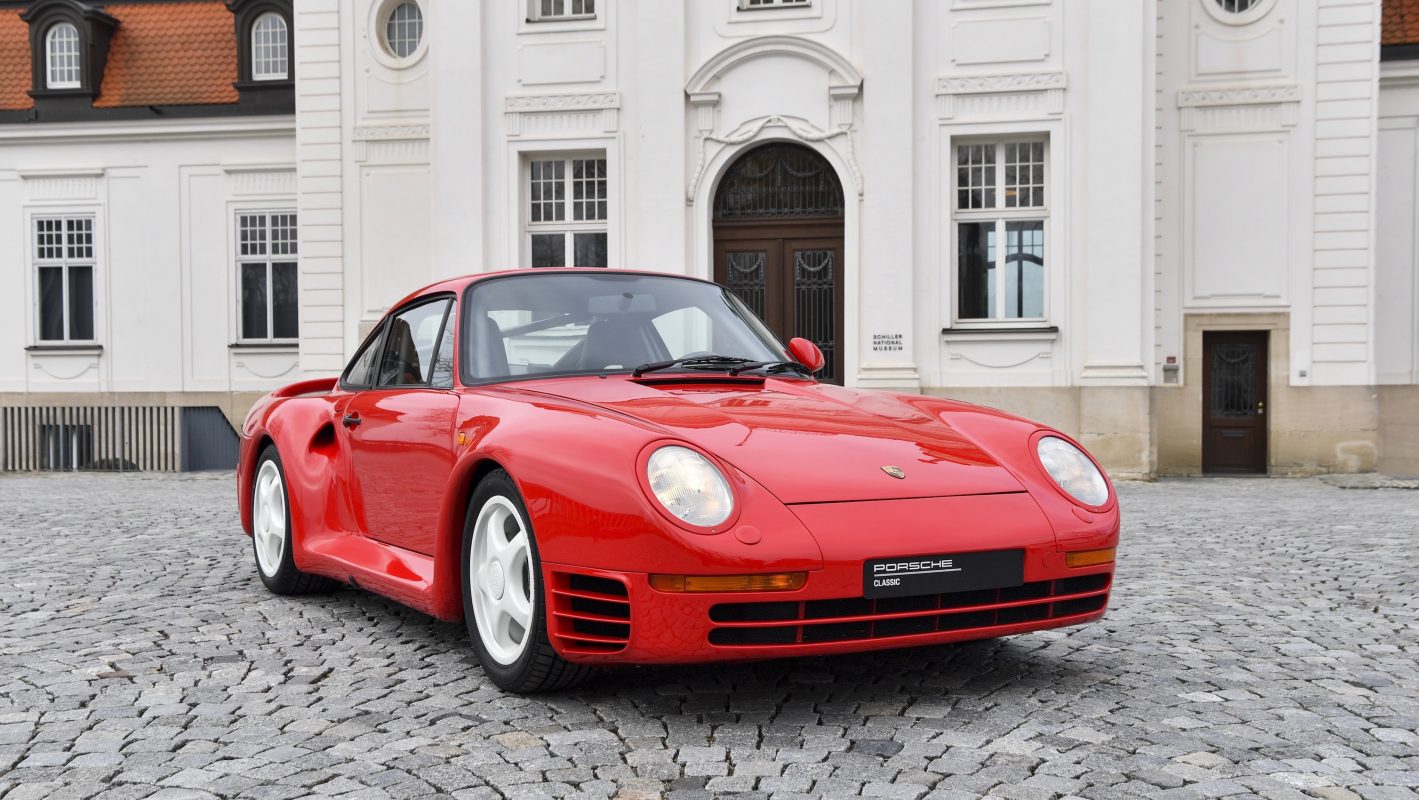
778	244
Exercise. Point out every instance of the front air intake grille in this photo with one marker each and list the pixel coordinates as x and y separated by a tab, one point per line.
591	614
858	618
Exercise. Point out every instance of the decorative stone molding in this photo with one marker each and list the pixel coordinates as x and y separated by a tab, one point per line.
62	187
703	91
843	73
273	182
66	366
1239	108
528	114
561	102
1238	96
391	143
374	133
982	357
801	129
1044	89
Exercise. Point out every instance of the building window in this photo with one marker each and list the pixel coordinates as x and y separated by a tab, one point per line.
404	29
64	264
746	5
270	51
267	276
1237	12
566	211
61	56
552	10
1000	214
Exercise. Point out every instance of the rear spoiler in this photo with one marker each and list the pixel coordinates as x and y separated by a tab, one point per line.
312	386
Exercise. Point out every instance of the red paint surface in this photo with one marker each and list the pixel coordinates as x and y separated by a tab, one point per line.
383	503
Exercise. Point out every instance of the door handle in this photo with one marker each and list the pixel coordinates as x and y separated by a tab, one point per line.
1260	409
351	420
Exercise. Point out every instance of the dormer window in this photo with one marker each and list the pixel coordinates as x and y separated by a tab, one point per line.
270	48
69	43
266	66
61	56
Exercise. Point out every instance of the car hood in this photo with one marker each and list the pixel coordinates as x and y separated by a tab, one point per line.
805	442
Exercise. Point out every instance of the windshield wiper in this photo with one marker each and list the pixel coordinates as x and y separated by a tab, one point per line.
695	361
771	366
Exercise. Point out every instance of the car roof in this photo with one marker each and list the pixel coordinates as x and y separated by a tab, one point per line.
455	285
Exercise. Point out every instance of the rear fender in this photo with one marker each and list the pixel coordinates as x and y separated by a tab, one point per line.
313	457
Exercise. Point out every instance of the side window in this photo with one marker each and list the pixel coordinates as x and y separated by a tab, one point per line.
361	370
442	377
409	345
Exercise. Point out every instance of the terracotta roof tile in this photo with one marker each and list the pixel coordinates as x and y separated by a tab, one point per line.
1400	22
168	54
14	61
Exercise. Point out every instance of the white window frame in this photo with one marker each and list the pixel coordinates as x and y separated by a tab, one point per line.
262	66
73	60
387	17
1256	11
763	5
268	258
536	14
568	226
1001	215
64	262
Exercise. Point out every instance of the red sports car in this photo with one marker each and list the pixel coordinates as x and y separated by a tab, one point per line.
596	466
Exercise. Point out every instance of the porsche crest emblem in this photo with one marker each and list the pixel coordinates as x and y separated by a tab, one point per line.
895	472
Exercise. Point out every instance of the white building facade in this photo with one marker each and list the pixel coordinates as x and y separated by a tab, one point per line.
1182	231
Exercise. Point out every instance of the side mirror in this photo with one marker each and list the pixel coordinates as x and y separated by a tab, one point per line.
806	353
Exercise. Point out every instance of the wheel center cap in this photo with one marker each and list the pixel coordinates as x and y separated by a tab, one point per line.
496	581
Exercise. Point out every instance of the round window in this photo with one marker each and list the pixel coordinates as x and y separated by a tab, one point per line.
1237	12
404	29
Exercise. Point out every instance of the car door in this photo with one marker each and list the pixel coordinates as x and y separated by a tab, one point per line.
400	428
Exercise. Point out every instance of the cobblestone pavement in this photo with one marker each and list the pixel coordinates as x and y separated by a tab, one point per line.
1263	640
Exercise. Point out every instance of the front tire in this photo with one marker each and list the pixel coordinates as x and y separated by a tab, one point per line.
503	602
271	539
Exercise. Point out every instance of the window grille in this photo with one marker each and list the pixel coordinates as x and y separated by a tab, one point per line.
1001	221
269	297
404	29
270	51
779	180
64	264
61	50
567	210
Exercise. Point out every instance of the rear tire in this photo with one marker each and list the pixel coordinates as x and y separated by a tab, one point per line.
271	534
504	604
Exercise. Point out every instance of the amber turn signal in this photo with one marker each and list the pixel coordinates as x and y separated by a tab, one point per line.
777	582
1090	558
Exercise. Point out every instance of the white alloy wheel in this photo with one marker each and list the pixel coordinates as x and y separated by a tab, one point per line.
268	518
500	563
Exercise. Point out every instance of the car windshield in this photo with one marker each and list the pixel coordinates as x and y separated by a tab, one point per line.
567	323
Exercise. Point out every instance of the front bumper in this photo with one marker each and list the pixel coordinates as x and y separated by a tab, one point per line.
598	616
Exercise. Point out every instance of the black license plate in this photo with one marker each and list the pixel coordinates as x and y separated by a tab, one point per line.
941	574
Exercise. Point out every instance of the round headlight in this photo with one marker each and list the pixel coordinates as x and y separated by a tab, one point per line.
1073	471
689	486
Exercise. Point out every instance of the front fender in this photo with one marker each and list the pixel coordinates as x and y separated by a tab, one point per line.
1010	441
575	465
